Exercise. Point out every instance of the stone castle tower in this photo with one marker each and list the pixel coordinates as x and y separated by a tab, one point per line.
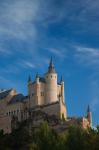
51	84
46	91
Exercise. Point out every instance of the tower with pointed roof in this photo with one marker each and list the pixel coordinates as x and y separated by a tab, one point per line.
51	83
46	91
89	115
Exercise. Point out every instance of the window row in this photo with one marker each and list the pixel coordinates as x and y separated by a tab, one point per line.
42	94
14	112
52	76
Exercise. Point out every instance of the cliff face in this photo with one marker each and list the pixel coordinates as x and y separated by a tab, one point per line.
37	118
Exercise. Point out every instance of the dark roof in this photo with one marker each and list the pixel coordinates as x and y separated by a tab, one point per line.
51	68
17	98
59	83
41	79
4	94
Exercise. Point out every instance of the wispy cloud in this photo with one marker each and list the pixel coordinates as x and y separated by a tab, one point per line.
33	63
87	55
58	52
4	50
27	64
90	51
82	14
17	18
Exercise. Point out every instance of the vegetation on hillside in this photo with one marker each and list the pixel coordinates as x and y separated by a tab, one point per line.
47	139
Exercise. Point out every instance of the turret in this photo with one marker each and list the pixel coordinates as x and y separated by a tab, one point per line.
29	79
37	90
89	115
29	89
37	78
29	84
62	89
51	83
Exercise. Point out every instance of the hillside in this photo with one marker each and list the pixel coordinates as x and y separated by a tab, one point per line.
45	138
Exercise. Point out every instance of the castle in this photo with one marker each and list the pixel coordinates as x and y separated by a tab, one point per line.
44	94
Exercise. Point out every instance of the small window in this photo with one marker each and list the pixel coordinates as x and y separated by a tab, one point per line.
33	94
14	112
42	93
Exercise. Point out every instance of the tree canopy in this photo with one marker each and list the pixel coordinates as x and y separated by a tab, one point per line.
45	138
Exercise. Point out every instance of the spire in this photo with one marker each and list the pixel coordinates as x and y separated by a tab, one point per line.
89	115
51	68
51	62
88	109
29	79
61	79
37	75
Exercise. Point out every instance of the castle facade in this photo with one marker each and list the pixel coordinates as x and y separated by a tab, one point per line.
44	94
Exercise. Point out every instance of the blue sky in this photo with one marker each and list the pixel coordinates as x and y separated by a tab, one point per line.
33	30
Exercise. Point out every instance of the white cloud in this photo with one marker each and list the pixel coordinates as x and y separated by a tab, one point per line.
90	51
17	18
36	63
58	52
28	64
87	55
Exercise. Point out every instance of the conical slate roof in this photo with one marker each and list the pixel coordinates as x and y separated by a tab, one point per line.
51	68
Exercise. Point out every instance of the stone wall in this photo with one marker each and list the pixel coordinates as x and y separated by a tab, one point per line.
52	109
15	109
37	94
63	111
5	124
